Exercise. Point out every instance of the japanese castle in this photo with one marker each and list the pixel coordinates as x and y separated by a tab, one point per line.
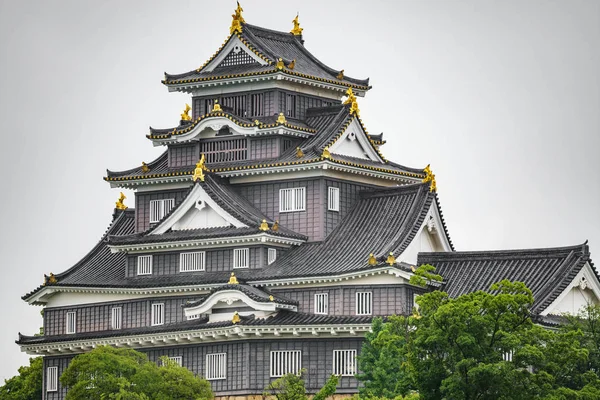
270	232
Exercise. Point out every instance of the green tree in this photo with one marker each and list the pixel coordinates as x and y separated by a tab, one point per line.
125	374
27	385
292	387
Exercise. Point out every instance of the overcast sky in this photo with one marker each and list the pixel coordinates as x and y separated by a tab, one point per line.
501	97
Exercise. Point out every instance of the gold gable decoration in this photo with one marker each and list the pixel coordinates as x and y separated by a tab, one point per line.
296	31
281	119
264	226
271	298
200	168
216	107
352	101
233	280
391	259
145	167
120	205
50	280
275	226
340	76
185	115
299	152
292	64
236	318
372	259
237	20
430	177
280	65
326	153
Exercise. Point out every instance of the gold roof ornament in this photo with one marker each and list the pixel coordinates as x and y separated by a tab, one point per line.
50	280
326	153
271	298
281	119
145	167
199	170
299	152
185	116
412	268
216	107
275	226
264	226
119	205
233	280
391	259
430	177
292	64
236	318
280	65
352	101
237	21
340	76
256	122
297	31
372	259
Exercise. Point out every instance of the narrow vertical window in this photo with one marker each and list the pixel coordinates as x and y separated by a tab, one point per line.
285	362
344	362
160	208
216	366
116	317
293	199
364	303
193	261
290	105
71	322
333	200
144	265
178	360
241	258
272	256
321	303
158	314
52	379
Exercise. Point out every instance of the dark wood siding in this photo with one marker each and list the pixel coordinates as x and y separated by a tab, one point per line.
183	155
264	148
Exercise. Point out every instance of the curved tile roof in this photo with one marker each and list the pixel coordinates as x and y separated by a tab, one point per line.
260	295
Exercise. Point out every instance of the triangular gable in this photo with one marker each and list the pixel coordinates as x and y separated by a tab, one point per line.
584	289
355	142
198	211
235	52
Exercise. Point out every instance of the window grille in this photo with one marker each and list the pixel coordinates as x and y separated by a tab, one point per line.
197	316
116	318
364	303
344	362
321	303
292	199
158	314
285	362
193	261
160	208
333	200
178	360
287	143
71	322
508	356
52	379
144	265
216	366
237	56
241	258
234	104
290	105
220	151
257	101
272	256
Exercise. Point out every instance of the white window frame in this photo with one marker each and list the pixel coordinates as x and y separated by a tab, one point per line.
236	258
160	208
363	308
283	362
157	314
344	362
144	265
197	260
195	316
333	199
322	303
271	256
216	366
71	325
116	318
292	199
178	360
51	379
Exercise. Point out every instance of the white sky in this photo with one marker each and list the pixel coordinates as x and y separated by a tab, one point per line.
501	97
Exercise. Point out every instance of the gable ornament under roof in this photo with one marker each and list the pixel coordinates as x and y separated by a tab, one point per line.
233	280
264	226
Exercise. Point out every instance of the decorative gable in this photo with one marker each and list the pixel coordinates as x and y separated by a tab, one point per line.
237	56
583	290
354	142
234	53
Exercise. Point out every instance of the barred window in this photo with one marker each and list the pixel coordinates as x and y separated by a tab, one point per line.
285	362
52	379
290	105
144	265
272	256
158	314
333	201
293	199
196	316
160	208
178	360
257	101
71	322
364	303
321	303
344	362
241	258
237	56
116	317
193	261
216	366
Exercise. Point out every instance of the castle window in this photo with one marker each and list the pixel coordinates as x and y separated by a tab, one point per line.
52	379
272	256
197	316
344	362
257	101
193	261
158	314
71	322
333	200
144	265
290	105
116	317
321	303
216	366
364	303
178	360
160	208
285	362
241	258
292	199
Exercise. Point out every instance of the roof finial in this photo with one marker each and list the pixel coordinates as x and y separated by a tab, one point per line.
119	205
50	280
200	168
299	152
292	64
430	177
326	153
145	167
391	259
275	226
232	279
236	318
372	259
352	101
216	107
264	226
280	65
340	76
281	119
238	20
185	116
297	31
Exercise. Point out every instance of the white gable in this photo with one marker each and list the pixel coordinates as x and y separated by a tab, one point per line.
355	143
236	48
583	290
198	211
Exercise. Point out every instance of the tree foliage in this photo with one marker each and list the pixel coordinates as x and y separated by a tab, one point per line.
124	374
27	385
481	345
292	387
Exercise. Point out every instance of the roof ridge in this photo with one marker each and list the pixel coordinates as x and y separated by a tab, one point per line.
523	251
392	191
151	164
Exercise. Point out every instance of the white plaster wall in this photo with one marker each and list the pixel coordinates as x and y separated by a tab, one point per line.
574	301
196	218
